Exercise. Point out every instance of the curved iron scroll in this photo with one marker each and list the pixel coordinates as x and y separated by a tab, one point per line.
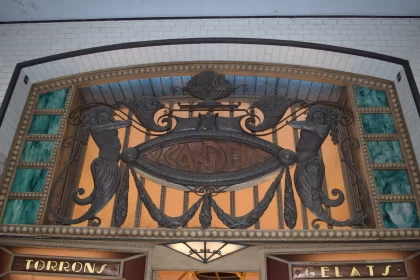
145	109
273	109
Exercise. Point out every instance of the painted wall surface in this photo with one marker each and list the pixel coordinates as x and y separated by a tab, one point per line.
22	42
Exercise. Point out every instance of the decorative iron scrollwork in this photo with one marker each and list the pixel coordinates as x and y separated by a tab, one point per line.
145	109
158	215
273	109
254	215
196	153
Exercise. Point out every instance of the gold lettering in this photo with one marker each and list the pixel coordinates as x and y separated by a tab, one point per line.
37	263
309	273
354	272
89	267
323	270
101	269
28	264
48	265
61	266
73	267
337	272
386	270
53	267
370	269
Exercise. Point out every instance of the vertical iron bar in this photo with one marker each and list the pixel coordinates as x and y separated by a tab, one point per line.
232	194
280	215
255	190
186	194
139	204
162	198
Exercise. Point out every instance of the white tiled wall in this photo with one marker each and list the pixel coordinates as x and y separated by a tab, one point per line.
214	52
396	37
21	42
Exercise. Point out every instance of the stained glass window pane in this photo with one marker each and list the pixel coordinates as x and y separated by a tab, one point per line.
21	211
29	180
53	100
400	215
367	97
45	124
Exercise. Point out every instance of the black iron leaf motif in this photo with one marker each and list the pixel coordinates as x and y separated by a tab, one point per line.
121	205
290	212
144	109
205	213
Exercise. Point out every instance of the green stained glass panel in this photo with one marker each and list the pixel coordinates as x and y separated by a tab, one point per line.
367	97
399	214
37	151
29	180
392	181
21	211
385	151
378	123
45	124
53	100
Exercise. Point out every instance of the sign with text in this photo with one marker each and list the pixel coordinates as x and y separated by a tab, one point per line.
66	266
338	271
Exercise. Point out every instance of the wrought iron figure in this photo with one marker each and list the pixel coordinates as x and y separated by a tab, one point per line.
310	169
102	126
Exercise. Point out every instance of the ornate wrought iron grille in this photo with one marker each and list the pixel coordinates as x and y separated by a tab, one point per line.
179	155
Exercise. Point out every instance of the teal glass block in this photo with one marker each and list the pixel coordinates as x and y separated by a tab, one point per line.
29	180
21	211
385	151
45	124
37	151
378	123
399	214
392	182
367	97
53	100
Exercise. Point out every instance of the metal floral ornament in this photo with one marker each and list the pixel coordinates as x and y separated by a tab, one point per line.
210	154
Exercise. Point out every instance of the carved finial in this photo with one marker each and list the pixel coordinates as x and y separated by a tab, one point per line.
209	86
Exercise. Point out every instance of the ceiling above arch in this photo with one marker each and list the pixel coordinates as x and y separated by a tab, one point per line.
39	10
255	86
